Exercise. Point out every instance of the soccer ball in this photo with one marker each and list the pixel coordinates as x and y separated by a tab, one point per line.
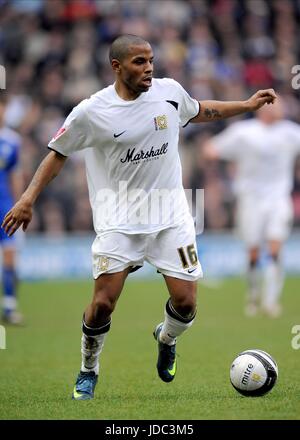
253	373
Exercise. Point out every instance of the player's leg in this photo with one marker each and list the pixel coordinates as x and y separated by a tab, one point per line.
280	214
180	311
274	278
95	326
9	283
251	223
114	254
253	282
174	252
8	269
97	317
180	308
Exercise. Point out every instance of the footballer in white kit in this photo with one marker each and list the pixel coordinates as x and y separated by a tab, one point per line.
129	133
264	149
135	143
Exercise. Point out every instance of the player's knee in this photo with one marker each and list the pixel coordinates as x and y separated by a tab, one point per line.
103	306
253	257
8	259
253	263
253	260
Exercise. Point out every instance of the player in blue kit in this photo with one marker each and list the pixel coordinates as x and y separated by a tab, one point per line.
10	189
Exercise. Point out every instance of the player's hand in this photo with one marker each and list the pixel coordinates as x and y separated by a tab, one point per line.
20	214
260	98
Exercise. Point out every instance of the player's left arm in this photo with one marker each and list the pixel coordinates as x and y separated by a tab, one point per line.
215	110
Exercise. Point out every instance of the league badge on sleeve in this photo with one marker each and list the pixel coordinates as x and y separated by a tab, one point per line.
59	133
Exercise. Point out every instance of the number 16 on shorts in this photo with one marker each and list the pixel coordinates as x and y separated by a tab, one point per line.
188	256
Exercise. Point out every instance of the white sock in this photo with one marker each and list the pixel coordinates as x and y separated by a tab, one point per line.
9	302
91	347
253	280
92	342
173	327
273	284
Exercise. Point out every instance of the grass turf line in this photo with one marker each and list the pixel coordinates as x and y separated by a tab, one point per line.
41	362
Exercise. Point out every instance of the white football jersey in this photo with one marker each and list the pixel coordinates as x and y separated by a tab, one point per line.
265	156
131	152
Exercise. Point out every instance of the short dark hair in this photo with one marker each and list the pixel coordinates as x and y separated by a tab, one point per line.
120	46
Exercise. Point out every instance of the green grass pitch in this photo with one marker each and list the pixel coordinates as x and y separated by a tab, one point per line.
42	359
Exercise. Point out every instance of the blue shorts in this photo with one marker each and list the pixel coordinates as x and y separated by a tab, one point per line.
5	206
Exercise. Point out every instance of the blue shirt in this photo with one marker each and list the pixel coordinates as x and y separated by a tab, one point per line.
9	156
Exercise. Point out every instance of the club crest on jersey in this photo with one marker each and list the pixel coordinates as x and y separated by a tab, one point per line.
103	264
161	122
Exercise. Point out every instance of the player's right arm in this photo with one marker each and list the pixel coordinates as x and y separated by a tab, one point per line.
21	212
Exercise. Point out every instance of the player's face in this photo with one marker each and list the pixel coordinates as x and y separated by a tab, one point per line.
136	70
271	113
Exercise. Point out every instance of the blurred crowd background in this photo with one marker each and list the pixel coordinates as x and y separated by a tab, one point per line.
55	53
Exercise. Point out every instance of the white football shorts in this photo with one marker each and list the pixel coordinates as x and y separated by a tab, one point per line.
260	220
172	251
